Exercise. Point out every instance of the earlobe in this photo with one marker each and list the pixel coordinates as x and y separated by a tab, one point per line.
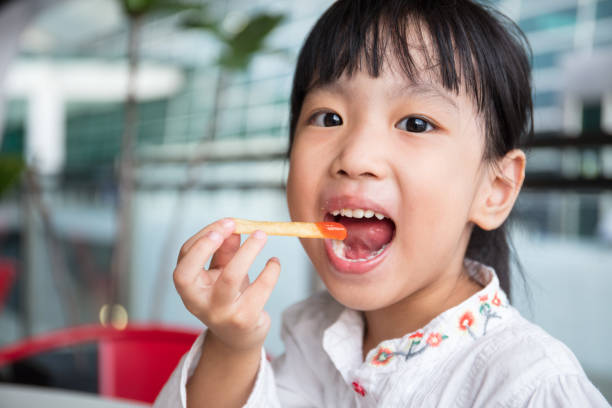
499	191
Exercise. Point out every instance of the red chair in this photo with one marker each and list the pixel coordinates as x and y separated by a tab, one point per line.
136	363
133	363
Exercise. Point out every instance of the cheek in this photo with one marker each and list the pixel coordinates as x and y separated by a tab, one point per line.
439	189
292	192
298	183
314	249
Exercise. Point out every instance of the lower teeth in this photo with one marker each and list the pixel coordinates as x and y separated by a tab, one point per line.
339	249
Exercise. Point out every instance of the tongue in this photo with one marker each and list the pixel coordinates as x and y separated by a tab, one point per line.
365	236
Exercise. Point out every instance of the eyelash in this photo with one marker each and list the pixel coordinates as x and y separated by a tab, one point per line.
429	126
322	114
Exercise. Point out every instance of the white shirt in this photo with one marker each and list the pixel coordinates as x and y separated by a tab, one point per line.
480	353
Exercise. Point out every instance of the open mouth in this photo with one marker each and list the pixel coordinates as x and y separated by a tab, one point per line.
368	234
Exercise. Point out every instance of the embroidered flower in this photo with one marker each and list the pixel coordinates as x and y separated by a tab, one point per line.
466	320
416	338
359	389
383	356
474	320
435	339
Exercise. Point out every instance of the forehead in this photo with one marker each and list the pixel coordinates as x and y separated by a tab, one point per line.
466	48
393	86
409	44
422	64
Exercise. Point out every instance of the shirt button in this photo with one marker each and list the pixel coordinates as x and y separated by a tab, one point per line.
359	389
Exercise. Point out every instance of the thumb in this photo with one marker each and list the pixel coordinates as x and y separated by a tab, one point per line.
264	320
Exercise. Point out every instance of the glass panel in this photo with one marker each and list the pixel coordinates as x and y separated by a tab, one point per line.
546	98
545	60
547	21
604	9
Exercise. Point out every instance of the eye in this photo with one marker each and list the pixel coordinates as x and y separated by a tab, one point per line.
414	124
325	119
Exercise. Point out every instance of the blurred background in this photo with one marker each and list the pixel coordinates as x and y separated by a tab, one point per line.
128	125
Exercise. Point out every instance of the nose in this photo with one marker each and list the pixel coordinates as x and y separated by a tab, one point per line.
360	153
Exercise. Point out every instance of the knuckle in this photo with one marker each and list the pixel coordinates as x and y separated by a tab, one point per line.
178	278
241	321
228	279
201	244
264	321
184	249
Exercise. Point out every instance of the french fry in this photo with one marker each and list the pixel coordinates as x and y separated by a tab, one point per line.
332	230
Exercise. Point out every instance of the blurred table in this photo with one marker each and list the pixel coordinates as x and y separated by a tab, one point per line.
22	396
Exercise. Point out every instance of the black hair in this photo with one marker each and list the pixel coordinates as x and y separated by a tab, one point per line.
471	47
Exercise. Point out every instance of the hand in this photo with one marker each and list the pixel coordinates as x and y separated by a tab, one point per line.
222	297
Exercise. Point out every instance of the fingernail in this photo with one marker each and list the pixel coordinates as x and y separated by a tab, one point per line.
259	234
227	223
275	259
214	236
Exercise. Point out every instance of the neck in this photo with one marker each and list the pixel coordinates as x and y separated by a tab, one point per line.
418	309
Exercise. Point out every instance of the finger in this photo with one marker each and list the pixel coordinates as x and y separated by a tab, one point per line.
193	262
206	278
225	252
245	283
257	294
227	286
222	226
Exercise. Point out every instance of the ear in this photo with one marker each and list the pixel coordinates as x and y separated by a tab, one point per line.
499	189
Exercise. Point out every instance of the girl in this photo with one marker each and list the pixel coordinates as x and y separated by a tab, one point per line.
406	117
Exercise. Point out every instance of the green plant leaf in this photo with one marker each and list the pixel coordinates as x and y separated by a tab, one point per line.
168	6
242	46
233	61
247	42
138	8
194	21
11	166
135	8
252	36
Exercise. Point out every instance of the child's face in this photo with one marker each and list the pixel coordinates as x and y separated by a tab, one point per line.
412	152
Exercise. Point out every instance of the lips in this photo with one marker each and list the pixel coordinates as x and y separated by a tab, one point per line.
369	235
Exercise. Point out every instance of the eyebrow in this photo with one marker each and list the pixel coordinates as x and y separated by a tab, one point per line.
414	88
425	90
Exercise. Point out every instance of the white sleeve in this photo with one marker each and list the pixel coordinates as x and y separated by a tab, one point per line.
174	392
567	391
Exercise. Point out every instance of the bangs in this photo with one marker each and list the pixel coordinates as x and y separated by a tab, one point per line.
375	38
458	44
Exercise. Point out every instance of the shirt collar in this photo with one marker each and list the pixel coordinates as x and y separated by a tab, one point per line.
469	320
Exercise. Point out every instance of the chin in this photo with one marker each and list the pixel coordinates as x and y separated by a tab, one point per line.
361	296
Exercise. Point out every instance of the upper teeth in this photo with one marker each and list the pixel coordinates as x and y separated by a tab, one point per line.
357	213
